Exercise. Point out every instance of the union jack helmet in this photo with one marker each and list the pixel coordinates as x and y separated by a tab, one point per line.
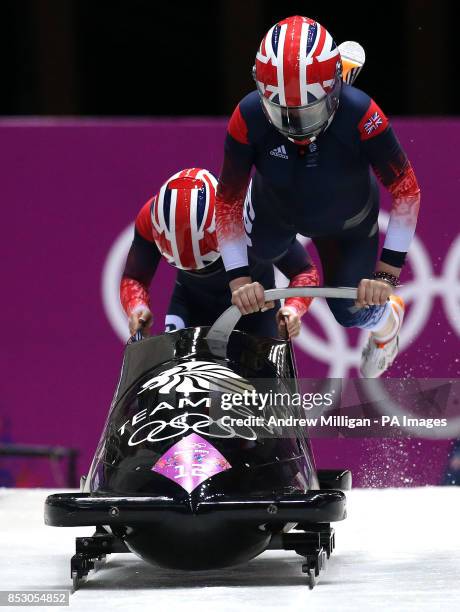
298	72
183	219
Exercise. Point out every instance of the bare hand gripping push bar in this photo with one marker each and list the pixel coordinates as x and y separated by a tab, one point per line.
225	324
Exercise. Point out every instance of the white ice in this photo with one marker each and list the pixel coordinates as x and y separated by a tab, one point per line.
399	549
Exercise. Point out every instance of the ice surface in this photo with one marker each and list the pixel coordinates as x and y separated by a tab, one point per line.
399	549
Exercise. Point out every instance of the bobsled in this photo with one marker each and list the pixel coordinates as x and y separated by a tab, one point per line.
184	483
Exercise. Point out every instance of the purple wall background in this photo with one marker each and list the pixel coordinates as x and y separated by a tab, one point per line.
68	188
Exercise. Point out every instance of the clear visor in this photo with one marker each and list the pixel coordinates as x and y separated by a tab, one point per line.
302	121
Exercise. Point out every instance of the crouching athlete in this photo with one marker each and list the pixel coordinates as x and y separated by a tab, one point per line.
313	141
179	224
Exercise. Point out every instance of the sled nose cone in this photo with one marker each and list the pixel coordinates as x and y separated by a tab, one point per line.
197	543
187	540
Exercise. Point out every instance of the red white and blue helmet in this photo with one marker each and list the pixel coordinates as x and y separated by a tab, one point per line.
183	219
298	72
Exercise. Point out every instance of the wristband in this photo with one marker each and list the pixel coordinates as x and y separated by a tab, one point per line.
238	273
393	258
391	279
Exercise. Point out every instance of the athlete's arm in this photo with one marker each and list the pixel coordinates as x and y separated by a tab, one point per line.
394	171
231	191
141	264
301	272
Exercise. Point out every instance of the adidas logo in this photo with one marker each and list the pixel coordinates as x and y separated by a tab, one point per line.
279	152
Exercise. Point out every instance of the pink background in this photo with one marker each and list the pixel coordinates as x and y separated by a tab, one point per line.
69	188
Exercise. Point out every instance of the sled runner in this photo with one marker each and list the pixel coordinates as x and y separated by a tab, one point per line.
171	482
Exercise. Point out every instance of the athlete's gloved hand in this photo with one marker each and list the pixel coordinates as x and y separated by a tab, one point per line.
248	296
140	318
288	316
373	293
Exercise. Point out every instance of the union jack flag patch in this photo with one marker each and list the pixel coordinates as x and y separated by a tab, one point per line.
373	123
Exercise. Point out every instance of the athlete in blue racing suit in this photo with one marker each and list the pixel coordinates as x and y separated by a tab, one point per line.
323	187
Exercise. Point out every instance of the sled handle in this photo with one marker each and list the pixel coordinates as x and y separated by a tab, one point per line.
225	324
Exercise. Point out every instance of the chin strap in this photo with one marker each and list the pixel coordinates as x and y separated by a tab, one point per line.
302	143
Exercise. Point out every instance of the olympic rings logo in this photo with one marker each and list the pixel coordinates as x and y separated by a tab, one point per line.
335	350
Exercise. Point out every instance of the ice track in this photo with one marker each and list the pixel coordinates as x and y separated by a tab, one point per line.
399	549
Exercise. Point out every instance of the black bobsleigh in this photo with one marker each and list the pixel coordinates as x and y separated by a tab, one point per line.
171	482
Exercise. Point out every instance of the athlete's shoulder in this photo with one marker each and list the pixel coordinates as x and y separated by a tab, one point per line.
248	122
250	105
354	99
358	111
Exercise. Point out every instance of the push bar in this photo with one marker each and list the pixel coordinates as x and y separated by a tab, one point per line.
225	324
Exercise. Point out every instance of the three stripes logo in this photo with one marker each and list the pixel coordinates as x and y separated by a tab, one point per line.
279	152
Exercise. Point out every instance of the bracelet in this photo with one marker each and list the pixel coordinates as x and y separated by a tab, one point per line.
391	279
